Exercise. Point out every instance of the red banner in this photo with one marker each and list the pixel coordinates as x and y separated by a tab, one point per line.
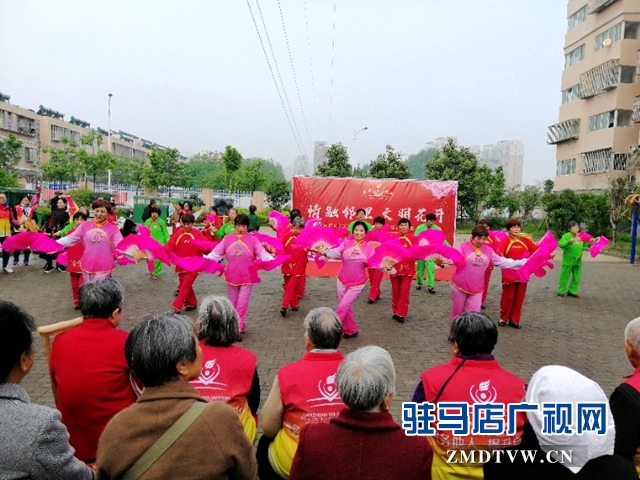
335	200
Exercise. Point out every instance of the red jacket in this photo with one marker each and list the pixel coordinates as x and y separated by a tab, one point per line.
297	265
516	248
407	267
91	375
181	244
358	445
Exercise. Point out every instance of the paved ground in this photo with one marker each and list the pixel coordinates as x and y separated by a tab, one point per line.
584	333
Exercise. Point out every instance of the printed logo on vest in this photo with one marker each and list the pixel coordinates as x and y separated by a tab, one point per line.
209	373
483	393
328	391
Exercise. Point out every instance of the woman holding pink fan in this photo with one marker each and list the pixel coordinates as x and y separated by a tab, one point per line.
352	277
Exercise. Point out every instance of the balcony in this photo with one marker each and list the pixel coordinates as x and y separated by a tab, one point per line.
596	6
599	79
563	131
604	160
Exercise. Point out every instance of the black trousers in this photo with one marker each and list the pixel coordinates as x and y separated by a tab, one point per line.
265	470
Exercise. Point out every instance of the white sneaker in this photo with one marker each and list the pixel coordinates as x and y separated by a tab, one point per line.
8	269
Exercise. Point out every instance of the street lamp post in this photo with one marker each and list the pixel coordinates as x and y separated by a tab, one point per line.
355	134
109	141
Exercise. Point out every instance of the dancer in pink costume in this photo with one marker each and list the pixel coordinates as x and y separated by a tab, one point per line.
100	239
352	277
467	283
241	251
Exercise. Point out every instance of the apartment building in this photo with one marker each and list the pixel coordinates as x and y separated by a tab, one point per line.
597	128
47	128
24	124
508	154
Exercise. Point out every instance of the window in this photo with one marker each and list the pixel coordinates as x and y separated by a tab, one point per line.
574	56
58	133
614	118
577	18
627	74
30	154
571	93
566	167
614	34
631	30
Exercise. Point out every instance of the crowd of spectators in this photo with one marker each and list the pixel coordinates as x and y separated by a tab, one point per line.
175	398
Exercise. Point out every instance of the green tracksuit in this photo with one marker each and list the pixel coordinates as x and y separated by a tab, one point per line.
225	229
571	263
159	232
431	266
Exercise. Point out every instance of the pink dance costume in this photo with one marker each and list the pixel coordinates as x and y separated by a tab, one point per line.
240	251
352	278
467	284
100	242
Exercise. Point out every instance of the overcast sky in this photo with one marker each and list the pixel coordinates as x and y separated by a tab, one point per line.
193	75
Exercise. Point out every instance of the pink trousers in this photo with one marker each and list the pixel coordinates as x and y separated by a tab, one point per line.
463	302
239	296
92	277
346	297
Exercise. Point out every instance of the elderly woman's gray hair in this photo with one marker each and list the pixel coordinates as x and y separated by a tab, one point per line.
157	344
99	299
632	335
218	321
323	328
365	378
474	333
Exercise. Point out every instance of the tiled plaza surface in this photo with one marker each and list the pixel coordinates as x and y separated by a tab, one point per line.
585	333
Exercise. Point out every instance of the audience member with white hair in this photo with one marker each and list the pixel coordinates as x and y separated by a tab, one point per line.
587	455
625	399
228	373
303	392
364	441
171	431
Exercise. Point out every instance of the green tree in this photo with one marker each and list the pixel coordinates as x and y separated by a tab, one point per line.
94	162
337	164
529	199
250	177
206	171
362	171
127	171
272	170
64	164
9	158
278	194
232	161
164	169
389	165
490	186
547	186
617	191
454	162
417	163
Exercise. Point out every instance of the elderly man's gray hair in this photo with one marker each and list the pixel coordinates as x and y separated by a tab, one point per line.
365	378
100	298
157	344
323	328
632	334
218	321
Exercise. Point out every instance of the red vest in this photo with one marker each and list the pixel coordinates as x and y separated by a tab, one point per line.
226	375
407	267
309	390
634	379
517	249
477	381
297	265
